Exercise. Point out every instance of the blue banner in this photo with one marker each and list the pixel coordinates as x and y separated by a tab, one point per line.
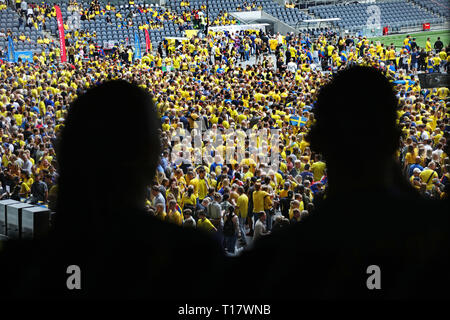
410	82
10	49
137	47
23	55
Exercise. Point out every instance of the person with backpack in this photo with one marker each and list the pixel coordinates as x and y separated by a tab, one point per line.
230	230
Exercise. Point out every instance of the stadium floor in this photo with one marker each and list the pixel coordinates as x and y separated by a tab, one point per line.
421	38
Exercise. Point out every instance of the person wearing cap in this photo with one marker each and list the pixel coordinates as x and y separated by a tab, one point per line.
415	178
414	166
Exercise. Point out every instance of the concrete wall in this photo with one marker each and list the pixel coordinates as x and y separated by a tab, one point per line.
279	26
250	17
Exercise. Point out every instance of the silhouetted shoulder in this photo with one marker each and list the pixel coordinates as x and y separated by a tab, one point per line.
327	255
139	257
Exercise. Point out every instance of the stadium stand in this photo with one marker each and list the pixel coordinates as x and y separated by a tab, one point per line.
440	7
288	15
10	25
173	24
395	14
116	29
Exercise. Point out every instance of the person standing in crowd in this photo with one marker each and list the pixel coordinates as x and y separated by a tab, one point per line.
231	230
260	226
242	212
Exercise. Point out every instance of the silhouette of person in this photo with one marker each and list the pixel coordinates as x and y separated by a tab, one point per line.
108	153
369	216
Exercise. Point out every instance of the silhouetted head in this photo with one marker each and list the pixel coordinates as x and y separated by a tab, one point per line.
109	147
356	115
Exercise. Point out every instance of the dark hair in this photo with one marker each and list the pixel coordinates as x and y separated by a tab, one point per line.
190	191
346	96
87	130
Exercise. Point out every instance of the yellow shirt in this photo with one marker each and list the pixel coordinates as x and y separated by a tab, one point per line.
242	205
202	189
192	200
427	177
205	225
291	210
174	217
258	200
161	216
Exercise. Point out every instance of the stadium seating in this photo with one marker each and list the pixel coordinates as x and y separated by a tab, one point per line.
440	7
395	14
112	32
9	20
287	15
106	32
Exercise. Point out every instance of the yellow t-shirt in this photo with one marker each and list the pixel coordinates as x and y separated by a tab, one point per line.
427	177
202	189
174	217
205	225
258	200
242	204
291	210
192	200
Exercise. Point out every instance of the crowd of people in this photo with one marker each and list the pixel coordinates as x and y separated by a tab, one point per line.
204	88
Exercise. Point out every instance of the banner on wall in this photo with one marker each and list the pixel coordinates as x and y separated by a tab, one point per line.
240	27
23	55
10	49
62	38
148	43
137	47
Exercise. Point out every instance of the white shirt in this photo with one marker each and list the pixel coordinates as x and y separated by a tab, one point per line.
427	146
260	230
438	152
292	66
280	38
27	166
424	136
